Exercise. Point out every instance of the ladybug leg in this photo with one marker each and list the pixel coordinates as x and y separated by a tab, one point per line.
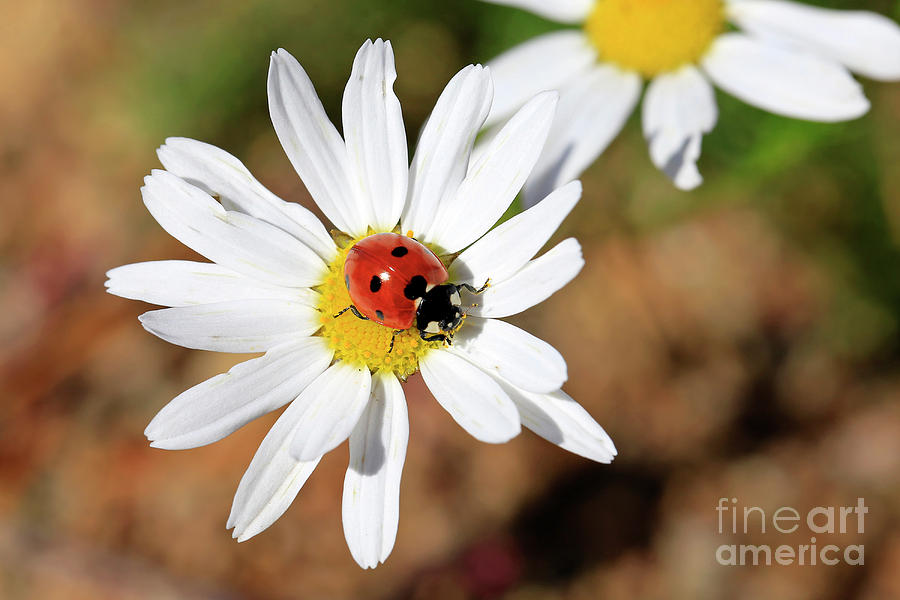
433	338
473	289
355	311
394	335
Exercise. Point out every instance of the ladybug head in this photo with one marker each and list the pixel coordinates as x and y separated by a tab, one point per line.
439	314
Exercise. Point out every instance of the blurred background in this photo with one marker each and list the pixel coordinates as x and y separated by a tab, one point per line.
739	341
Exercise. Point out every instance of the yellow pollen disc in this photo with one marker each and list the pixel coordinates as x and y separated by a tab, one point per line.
364	343
654	36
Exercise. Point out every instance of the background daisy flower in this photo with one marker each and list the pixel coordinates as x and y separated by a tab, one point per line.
276	281
788	58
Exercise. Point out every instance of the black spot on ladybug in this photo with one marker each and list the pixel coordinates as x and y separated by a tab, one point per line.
399	251
375	284
347	281
380	315
415	288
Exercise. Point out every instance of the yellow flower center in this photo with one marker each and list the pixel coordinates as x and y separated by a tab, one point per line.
654	36
359	342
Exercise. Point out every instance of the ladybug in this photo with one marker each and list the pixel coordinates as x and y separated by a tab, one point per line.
397	282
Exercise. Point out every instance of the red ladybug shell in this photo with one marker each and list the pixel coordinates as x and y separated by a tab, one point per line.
378	269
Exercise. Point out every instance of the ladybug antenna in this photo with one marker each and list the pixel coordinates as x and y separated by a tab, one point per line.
473	289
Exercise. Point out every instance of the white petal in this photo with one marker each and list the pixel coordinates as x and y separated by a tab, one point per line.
784	81
472	397
272	480
237	326
232	239
272	495
312	143
333	403
494	181
534	283
219	406
592	111
485	137
557	418
563	11
679	107
519	357
274	476
184	282
505	249
865	42
218	173
442	153
371	504
377	161
546	62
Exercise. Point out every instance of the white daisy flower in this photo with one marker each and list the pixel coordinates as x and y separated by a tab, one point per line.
788	58
276	282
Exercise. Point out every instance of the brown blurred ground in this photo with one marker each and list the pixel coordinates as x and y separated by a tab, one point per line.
723	353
